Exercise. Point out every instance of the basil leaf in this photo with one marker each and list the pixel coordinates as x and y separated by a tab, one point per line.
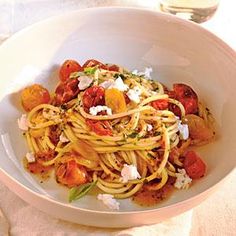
90	70
76	193
133	135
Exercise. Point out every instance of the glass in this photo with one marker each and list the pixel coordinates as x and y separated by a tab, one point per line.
195	10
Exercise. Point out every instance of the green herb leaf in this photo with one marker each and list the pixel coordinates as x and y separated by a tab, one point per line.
90	70
76	193
133	135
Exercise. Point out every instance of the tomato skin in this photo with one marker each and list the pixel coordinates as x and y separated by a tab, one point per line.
68	67
66	91
71	174
161	104
33	96
186	95
93	96
194	165
102	128
100	65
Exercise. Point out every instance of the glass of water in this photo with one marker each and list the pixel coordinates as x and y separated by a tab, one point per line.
195	10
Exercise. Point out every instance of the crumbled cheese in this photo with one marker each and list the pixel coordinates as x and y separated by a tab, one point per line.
149	127
63	138
95	110
23	122
147	72
30	157
84	82
183	130
106	84
129	172
183	180
109	201
134	94
118	84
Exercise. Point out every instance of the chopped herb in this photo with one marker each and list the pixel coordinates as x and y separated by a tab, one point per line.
116	76
157	133
90	70
64	107
76	193
133	135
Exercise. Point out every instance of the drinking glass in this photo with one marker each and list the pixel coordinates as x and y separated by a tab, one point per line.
195	10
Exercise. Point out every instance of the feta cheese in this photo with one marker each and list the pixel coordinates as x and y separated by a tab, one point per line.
183	180
95	110
23	122
106	84
84	82
129	172
147	72
149	127
183	130
109	201
63	138
30	157
118	84
134	94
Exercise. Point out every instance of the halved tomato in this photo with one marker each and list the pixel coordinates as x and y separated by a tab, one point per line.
68	67
160	104
194	165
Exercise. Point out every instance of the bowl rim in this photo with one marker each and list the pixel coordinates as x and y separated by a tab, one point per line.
165	16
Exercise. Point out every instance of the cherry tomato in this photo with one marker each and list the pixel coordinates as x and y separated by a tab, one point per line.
194	165
33	96
115	99
93	63
93	96
68	67
161	104
187	97
71	174
100	127
66	91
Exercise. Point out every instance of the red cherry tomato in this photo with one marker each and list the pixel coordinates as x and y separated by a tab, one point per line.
194	165
161	104
187	97
93	96
68	67
100	127
66	91
71	174
33	96
93	63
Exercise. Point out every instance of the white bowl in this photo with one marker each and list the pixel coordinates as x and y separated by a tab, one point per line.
177	50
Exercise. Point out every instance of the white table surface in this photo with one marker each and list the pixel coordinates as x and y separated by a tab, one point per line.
216	216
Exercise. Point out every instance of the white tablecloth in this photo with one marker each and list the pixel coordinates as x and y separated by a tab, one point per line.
215	216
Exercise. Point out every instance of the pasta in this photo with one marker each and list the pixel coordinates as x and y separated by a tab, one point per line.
120	130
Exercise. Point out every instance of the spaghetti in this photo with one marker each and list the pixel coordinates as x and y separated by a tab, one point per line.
137	123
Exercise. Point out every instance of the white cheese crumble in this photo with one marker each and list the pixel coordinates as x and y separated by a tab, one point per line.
95	110
149	127
117	84
183	130
129	172
84	82
146	73
30	157
63	138
109	201
23	122
183	180
134	94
